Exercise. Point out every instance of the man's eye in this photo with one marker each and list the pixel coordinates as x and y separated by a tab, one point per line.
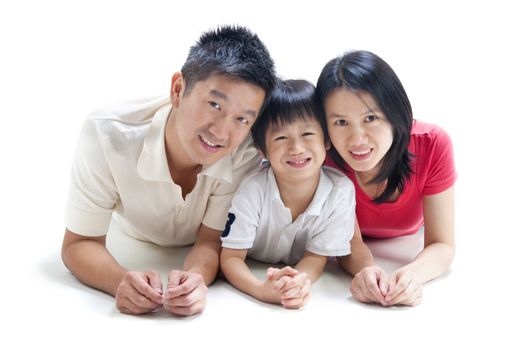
215	105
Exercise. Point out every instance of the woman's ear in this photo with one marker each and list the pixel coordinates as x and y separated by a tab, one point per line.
177	89
328	145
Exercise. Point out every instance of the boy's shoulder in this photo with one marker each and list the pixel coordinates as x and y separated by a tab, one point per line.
338	178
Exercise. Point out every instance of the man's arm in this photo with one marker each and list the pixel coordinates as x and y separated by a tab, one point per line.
89	260
204	257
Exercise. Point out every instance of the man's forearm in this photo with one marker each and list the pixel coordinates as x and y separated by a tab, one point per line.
204	258
92	264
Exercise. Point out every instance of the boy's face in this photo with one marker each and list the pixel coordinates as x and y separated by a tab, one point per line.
213	118
296	151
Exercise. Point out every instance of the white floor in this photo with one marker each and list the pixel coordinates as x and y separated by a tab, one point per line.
451	312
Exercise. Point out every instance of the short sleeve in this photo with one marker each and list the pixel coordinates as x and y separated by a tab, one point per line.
239	231
441	174
92	193
219	201
332	237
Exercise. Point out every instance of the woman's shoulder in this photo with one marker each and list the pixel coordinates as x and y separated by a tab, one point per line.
425	134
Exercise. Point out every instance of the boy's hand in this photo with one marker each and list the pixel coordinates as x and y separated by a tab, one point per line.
293	287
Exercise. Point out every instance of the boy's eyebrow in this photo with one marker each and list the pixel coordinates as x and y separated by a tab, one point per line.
221	95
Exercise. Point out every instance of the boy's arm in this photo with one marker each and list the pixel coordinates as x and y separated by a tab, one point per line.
313	265
237	272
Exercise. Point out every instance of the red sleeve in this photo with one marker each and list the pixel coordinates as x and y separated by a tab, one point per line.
441	173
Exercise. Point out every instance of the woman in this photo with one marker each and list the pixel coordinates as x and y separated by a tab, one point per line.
403	171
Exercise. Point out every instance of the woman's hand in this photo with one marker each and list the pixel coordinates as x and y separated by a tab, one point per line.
370	285
404	289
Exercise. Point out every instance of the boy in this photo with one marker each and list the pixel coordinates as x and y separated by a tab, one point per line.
295	211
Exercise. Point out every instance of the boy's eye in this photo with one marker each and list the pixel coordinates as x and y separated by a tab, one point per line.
308	133
214	105
278	138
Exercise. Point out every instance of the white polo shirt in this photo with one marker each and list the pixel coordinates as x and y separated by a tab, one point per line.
120	167
259	221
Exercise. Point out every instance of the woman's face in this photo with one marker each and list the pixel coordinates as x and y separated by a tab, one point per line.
359	130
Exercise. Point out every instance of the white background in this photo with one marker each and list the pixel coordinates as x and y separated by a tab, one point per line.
461	62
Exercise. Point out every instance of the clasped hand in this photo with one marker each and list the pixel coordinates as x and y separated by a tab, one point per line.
142	292
292	287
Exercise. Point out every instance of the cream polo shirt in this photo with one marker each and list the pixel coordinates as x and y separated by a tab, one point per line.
259	221
120	167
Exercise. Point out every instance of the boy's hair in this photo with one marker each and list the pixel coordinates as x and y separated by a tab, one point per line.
363	71
232	51
290	100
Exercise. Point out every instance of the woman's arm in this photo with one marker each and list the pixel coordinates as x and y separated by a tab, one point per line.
236	271
360	256
438	251
435	258
370	281
313	265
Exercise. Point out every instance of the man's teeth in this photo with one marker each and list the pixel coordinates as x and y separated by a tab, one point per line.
208	142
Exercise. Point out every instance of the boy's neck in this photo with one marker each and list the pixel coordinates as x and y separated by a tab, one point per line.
297	195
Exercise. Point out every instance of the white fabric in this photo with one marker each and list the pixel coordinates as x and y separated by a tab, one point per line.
264	226
120	167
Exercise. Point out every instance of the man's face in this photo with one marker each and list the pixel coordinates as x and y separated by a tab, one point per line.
212	119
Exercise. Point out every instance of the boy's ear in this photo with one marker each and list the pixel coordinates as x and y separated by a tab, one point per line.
262	154
177	88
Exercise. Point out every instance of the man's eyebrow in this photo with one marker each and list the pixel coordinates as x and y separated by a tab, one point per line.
218	94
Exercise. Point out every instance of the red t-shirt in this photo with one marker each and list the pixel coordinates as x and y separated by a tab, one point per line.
434	172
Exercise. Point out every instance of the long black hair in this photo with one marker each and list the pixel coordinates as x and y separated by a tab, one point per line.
363	71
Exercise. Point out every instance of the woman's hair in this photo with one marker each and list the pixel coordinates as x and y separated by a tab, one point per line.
290	100
363	71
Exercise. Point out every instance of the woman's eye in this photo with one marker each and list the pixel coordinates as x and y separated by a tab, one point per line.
243	120
370	118
215	105
340	122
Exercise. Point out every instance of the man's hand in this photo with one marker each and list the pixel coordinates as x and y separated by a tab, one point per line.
139	292
186	293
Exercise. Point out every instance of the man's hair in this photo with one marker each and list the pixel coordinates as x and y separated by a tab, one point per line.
231	51
290	100
363	71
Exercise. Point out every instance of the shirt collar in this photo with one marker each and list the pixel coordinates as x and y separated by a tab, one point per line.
152	164
325	185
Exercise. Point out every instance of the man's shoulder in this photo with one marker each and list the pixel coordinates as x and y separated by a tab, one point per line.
133	112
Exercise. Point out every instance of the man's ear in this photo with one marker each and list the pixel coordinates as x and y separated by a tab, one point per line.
177	89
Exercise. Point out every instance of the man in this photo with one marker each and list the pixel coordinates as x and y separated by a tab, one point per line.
167	171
